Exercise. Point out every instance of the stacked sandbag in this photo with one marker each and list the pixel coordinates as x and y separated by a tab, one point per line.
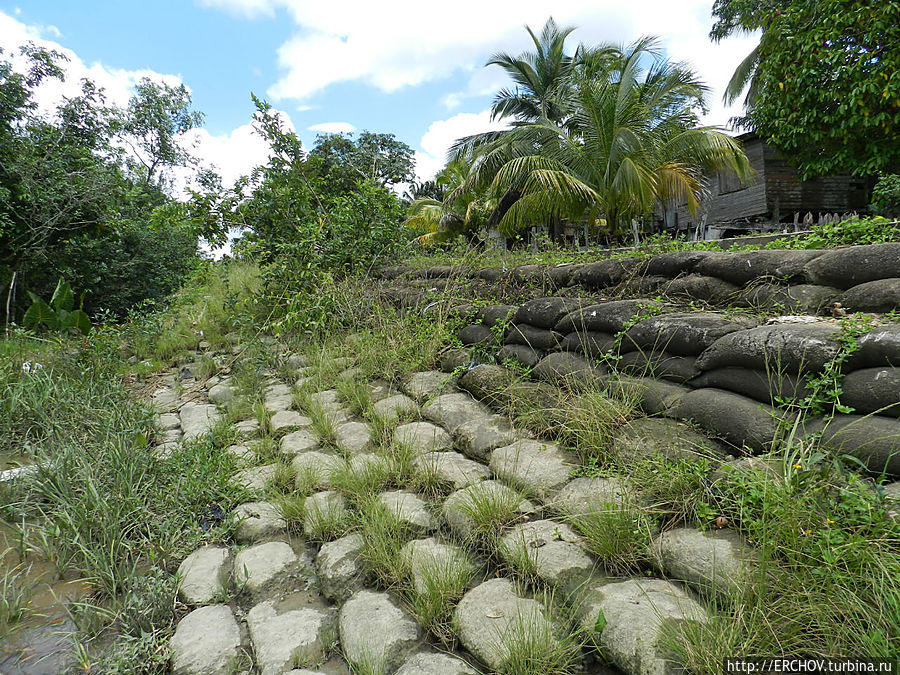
531	335
872	375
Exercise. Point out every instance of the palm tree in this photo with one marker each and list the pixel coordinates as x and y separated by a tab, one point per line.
626	138
538	76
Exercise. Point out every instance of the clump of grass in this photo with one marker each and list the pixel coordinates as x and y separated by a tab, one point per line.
205	367
427	480
292	507
676	489
356	395
830	557
283	481
360	482
325	524
490	511
322	423
384	534
618	534
585	423
441	584
15	594
538	644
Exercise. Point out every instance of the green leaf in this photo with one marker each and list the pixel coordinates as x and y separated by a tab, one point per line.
40	313
600	623
75	320
63	298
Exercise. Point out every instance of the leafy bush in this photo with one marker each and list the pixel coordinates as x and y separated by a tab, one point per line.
852	232
886	196
59	314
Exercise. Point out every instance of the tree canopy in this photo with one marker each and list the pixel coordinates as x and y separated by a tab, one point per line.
827	80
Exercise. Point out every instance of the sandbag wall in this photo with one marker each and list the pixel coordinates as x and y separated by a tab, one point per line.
729	374
861	278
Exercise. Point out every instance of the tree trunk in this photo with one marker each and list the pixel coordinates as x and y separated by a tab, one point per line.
504	205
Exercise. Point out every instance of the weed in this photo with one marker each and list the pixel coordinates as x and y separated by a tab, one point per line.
439	584
618	534
384	534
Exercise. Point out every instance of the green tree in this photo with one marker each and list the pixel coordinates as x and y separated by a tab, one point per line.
153	125
826	90
342	161
630	139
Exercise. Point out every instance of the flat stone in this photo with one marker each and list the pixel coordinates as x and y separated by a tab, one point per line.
568	369
329	399
241	453
458	506
278	397
492	617
206	642
379	390
429	384
353	437
165	400
351	375
643	438
584	495
168	421
553	550
258	568
635	611
288	420
321	510
422	437
477	437
339	569
221	393
170	435
435	664
300	441
257	520
256	478
430	560
453	410
198	419
394	407
315	468
409	508
539	468
282	640
718	562
375	632
453	468
247	429
204	575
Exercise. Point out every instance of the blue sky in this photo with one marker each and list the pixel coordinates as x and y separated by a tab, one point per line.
415	70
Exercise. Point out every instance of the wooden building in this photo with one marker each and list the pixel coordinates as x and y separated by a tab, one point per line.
774	199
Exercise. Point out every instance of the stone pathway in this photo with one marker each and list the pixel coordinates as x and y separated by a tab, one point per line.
482	497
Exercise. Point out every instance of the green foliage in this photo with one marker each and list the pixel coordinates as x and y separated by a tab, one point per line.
60	315
624	137
852	232
886	196
827	95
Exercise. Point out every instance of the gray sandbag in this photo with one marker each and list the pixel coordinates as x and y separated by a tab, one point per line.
881	295
879	347
522	354
874	440
796	299
741	421
593	344
873	390
561	275
643	438
487	381
660	365
536	338
605	273
854	265
675	264
642	285
464	312
528	274
682	333
494	314
394	271
439	272
546	312
654	397
475	334
742	268
491	274
700	287
757	384
605	317
786	348
565	367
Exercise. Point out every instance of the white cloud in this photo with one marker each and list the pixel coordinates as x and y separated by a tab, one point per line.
333	128
233	154
440	136
390	45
